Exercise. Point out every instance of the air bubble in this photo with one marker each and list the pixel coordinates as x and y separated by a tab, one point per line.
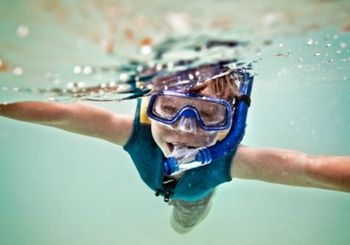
18	71
159	67
123	76
342	45
328	45
310	42
22	31
146	50
112	84
87	70
80	84
70	85
77	69
139	68
170	65
317	54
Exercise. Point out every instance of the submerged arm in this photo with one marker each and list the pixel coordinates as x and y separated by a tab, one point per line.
292	168
81	118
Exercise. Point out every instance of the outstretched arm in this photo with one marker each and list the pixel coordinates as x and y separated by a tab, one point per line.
292	168
81	118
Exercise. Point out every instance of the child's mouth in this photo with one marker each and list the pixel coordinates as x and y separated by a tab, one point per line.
172	146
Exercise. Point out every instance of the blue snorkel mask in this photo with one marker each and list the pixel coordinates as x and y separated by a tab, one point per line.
187	110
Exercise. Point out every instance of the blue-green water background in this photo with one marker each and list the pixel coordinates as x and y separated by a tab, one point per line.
62	188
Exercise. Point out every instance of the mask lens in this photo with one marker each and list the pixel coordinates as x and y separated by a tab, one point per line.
166	107
211	113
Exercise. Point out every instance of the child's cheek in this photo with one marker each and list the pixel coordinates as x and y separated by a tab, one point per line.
159	134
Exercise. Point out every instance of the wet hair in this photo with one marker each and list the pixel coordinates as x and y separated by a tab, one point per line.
224	87
217	78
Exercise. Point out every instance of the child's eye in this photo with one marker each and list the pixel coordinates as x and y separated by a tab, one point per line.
168	109
211	114
208	114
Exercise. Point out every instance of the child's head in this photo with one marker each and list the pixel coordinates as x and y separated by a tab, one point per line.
187	131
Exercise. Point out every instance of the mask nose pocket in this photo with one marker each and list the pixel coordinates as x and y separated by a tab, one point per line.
187	124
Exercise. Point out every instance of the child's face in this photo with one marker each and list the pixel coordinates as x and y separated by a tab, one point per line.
166	137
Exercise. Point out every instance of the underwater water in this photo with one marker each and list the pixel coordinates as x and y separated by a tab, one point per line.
62	188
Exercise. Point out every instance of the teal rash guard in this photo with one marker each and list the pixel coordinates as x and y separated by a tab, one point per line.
148	158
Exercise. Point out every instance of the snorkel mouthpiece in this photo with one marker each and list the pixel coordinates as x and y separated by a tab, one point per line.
184	158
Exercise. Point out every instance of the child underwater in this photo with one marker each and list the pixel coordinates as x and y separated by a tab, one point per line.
184	139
